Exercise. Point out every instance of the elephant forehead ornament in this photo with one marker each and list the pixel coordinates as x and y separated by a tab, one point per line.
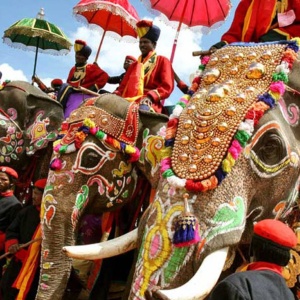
117	132
218	120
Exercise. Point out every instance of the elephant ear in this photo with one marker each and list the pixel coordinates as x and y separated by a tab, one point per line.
44	117
153	121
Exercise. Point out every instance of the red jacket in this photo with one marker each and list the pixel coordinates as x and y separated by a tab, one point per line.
158	83
89	76
253	18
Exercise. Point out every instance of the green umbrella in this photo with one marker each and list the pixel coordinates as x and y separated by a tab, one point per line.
36	34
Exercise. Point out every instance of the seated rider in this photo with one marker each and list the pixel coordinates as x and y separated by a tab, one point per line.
82	77
150	80
117	79
127	62
263	21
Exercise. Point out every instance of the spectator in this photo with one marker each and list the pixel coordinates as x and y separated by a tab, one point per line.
22	274
151	79
9	204
270	247
127	62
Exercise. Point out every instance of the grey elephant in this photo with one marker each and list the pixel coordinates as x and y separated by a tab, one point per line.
94	169
29	123
234	160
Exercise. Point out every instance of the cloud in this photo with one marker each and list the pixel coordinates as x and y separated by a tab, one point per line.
114	50
8	73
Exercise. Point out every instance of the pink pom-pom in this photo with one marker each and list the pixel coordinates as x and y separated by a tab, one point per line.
235	149
93	130
56	164
183	100
56	148
205	60
134	156
277	87
165	164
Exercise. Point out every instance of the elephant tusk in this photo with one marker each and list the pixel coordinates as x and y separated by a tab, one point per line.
106	249
198	287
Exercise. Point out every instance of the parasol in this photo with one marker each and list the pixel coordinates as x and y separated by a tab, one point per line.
192	13
115	16
36	34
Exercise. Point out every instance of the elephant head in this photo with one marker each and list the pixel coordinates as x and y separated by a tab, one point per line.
234	161
29	122
92	170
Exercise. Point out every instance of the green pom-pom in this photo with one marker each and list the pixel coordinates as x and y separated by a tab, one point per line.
100	135
242	136
167	173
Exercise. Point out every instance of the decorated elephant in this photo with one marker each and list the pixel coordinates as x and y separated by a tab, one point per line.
29	123
230	158
93	170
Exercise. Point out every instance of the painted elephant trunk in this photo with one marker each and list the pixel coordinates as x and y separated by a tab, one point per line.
55	266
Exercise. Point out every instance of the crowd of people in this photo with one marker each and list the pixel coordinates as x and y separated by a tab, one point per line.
20	238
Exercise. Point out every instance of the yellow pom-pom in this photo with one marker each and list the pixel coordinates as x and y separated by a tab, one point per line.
55	143
129	149
89	123
226	165
297	40
276	96
231	160
186	97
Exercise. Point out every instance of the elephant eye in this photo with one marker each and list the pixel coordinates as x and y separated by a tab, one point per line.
271	148
90	159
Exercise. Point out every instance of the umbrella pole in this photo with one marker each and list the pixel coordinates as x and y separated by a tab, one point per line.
36	55
177	32
98	51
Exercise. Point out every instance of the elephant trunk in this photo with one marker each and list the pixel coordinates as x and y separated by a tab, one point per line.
55	266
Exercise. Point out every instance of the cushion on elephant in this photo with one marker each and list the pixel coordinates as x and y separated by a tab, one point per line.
124	128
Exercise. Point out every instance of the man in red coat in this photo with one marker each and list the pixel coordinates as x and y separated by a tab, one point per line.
150	80
263	21
89	76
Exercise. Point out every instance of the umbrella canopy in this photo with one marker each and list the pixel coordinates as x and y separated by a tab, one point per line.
191	13
118	17
36	34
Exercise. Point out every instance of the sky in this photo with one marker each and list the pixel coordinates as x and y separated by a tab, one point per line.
17	64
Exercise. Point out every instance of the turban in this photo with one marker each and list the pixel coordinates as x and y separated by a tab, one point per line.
56	82
9	171
82	48
276	232
41	183
130	57
146	29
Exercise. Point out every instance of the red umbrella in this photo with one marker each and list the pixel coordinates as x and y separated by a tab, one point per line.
191	13
117	16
